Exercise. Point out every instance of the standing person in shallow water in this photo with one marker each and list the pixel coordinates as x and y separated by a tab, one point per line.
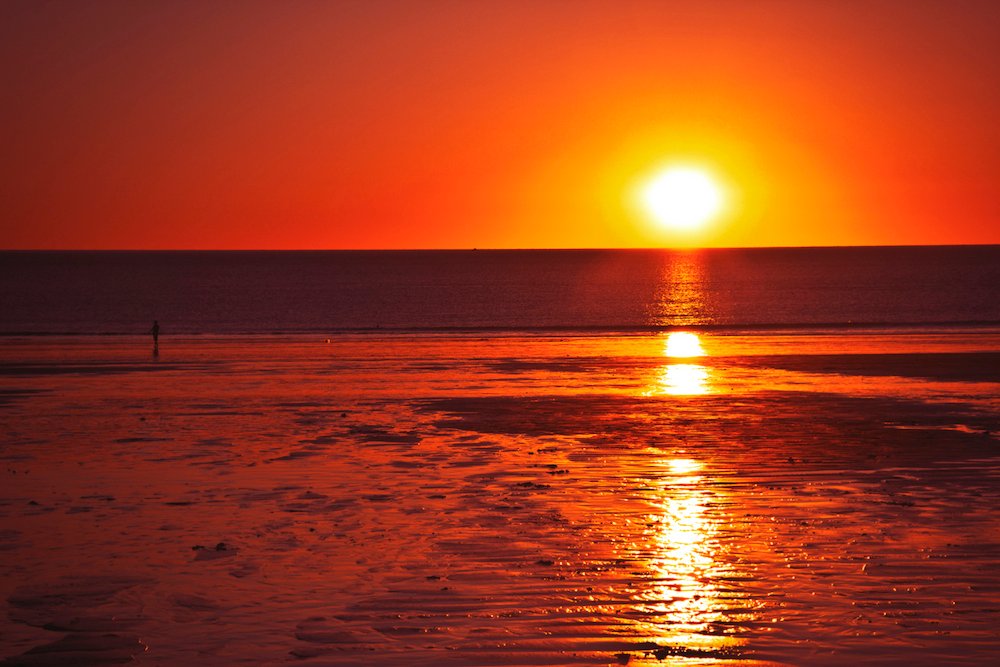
155	330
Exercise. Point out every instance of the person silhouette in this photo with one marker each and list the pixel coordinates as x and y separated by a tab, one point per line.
155	330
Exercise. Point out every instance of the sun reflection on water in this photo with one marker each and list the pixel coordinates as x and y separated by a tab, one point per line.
686	605
683	344
682	379
680	299
683	466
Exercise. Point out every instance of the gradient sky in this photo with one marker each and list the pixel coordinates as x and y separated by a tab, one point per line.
451	124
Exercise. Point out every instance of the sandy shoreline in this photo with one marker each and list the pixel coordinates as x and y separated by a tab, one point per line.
468	500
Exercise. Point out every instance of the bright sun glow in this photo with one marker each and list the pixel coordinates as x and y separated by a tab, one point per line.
683	198
683	466
683	344
684	380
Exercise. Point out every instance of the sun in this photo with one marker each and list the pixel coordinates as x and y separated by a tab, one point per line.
682	198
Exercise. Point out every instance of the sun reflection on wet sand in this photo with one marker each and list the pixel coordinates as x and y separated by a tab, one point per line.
688	607
681	379
683	344
683	466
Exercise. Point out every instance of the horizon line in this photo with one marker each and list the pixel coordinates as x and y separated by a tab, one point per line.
512	249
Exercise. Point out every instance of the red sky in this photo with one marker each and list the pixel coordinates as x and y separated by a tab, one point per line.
494	124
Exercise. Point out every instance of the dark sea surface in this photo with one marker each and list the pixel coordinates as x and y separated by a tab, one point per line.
613	290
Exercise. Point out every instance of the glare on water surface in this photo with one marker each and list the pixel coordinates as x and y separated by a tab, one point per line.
686	599
683	466
683	344
682	379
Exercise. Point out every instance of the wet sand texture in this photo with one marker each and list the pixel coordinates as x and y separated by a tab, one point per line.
452	500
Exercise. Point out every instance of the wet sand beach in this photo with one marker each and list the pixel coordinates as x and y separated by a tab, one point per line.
778	499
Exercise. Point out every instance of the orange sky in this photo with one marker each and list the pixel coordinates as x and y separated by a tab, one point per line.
494	124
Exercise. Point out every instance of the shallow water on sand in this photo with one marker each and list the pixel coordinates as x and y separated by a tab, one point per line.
778	499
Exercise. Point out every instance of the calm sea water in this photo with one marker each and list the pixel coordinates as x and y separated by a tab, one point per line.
287	292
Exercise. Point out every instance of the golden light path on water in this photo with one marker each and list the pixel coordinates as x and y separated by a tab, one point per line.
683	344
682	379
686	604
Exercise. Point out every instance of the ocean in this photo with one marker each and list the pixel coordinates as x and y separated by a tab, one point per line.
500	290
